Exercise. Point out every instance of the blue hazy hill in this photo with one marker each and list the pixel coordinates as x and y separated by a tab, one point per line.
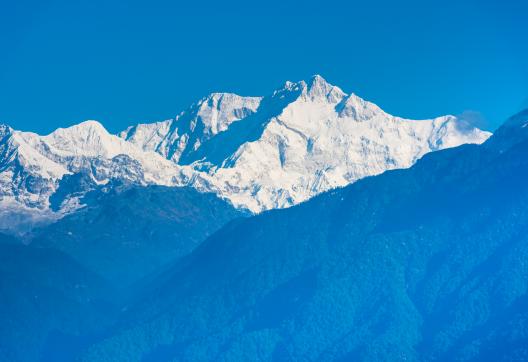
44	294
428	263
125	232
68	285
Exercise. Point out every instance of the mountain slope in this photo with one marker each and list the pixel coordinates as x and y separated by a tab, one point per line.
258	153
45	294
303	139
32	166
64	288
179	137
427	263
126	232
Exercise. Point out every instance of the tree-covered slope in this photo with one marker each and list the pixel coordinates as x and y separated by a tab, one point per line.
127	232
44	296
429	263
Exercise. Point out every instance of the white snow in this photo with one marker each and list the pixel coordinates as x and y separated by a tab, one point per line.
258	152
205	119
320	139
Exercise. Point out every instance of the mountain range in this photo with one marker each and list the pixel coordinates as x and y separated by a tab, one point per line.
259	153
307	225
422	264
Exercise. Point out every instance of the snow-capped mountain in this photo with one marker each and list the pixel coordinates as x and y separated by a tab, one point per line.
259	153
175	139
33	167
424	264
305	138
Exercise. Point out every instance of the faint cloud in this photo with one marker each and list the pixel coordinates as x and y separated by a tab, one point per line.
469	119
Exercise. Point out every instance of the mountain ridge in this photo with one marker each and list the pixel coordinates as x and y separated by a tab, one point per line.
421	264
259	153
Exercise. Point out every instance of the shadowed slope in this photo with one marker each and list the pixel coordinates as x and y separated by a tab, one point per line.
421	264
127	232
44	293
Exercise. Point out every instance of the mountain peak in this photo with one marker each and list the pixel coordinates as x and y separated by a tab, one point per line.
217	111
357	108
88	138
317	78
5	130
260	153
304	138
83	128
216	96
317	87
90	125
220	100
512	132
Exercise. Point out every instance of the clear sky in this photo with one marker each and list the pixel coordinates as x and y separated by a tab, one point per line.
124	62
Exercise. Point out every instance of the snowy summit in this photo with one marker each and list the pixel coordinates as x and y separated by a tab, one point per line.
258	152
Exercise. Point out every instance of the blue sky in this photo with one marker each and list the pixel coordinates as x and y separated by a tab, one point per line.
126	62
